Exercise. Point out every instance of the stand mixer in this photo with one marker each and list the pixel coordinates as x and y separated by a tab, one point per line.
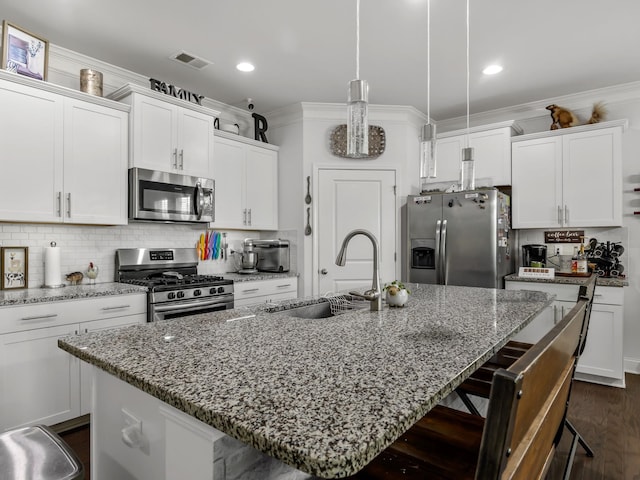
248	257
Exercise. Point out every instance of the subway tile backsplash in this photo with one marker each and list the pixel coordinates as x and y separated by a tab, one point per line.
81	244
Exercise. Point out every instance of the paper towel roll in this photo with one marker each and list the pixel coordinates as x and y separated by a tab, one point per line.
52	275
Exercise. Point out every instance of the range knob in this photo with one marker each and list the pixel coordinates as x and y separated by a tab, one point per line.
171	295
220	289
197	293
212	290
180	294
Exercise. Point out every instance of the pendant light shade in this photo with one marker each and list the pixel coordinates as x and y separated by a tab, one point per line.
357	119
357	106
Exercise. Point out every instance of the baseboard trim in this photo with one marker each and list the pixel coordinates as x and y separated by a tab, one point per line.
632	365
71	424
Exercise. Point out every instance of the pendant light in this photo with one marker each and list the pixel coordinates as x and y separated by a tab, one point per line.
357	111
428	137
467	171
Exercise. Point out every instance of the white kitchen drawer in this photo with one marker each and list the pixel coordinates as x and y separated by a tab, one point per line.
609	296
563	292
41	315
265	287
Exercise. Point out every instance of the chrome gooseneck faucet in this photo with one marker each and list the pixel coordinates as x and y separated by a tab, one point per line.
375	294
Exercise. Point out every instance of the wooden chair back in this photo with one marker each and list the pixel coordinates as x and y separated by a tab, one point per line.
528	404
587	292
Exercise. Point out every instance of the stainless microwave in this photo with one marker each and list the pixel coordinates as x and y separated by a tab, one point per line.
170	197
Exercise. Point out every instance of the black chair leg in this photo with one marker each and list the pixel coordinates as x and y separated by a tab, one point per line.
468	403
577	439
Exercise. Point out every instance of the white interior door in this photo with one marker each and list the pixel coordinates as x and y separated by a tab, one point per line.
349	200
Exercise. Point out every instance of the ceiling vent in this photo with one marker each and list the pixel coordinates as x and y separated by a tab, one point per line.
190	60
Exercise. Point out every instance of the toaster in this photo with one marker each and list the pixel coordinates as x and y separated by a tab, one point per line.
273	255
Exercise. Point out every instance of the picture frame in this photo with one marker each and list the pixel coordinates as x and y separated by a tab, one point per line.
14	268
23	52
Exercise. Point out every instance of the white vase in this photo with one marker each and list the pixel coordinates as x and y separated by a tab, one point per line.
397	300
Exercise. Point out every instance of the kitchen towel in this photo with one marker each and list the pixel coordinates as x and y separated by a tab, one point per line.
52	272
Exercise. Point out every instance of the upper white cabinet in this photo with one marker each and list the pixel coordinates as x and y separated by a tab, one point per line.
492	153
168	134
568	178
246	176
65	155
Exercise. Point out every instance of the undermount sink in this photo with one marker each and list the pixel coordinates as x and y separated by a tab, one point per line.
323	309
316	310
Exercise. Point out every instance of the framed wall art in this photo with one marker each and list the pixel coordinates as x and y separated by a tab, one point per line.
23	52
14	265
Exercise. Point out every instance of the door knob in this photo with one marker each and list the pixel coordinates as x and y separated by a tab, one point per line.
324	271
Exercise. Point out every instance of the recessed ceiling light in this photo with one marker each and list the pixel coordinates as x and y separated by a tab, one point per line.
492	70
245	67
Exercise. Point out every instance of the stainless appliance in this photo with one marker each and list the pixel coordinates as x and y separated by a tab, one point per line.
273	255
249	258
169	197
175	288
534	255
459	238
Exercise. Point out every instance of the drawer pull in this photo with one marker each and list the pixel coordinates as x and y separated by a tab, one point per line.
283	286
117	307
250	290
40	317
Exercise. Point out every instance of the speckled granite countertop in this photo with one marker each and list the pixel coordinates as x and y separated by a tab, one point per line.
603	282
323	395
40	295
241	277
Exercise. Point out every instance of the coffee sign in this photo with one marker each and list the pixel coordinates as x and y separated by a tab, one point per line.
563	236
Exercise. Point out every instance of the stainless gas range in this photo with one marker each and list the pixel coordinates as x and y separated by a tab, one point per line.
175	288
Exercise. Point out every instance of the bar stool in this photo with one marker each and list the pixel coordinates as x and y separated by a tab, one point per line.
37	452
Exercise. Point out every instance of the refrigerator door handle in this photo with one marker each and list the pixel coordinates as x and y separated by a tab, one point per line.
443	251
438	256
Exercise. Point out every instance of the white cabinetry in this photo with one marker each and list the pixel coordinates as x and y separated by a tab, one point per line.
246	176
39	383
263	291
568	179
602	360
65	155
168	134
492	153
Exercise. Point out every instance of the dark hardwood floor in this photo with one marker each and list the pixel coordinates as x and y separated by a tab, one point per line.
608	419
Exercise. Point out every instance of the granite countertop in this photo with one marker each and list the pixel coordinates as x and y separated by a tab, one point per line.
603	282
322	395
250	277
73	292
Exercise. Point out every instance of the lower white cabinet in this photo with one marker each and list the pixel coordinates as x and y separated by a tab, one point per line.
264	291
40	383
603	359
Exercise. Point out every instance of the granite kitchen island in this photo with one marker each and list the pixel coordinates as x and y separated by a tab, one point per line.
324	396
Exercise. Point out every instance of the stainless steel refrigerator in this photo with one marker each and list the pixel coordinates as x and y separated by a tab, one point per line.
461	238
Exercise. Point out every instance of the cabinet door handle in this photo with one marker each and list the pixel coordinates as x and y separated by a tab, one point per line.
68	205
59	199
560	215
175	158
181	159
249	216
284	285
244	216
250	290
566	215
40	317
116	307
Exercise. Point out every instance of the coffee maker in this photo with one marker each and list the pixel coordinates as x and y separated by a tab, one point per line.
534	255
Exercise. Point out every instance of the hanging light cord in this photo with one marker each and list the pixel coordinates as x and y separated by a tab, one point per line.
467	73
357	39
429	61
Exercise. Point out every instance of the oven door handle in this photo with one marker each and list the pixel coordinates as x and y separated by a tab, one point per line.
189	307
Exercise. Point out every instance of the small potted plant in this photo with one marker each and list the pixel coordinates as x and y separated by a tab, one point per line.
396	294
